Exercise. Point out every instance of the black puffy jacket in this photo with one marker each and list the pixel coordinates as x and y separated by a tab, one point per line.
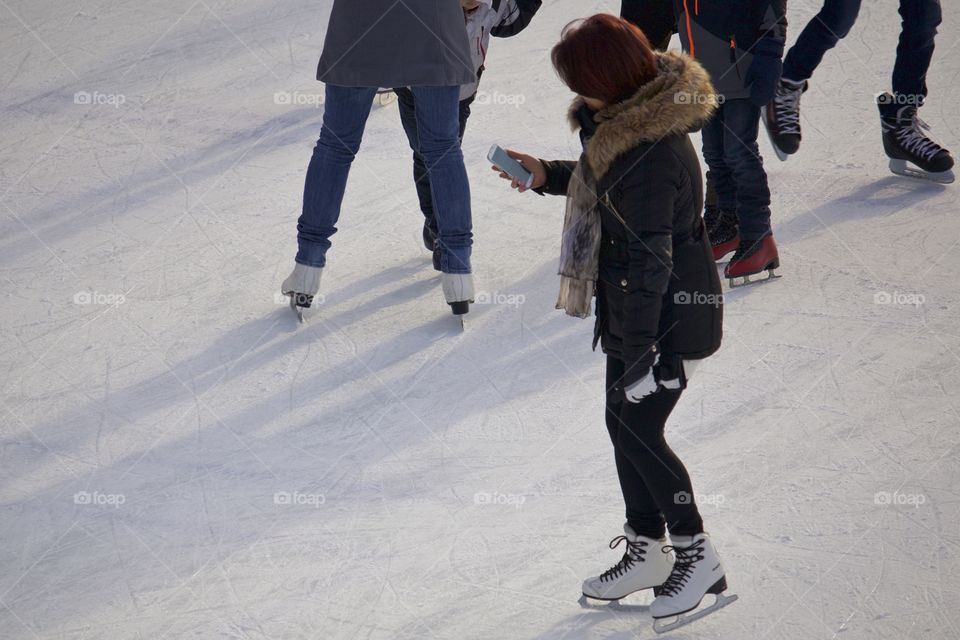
658	288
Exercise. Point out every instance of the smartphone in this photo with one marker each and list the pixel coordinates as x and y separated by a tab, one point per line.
509	166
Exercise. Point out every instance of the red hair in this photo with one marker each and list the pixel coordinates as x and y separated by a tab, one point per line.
604	57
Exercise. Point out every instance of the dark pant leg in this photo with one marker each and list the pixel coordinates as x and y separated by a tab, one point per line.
654	17
666	482
721	176
821	34
465	114
741	119
421	178
345	115
643	514
710	197
915	50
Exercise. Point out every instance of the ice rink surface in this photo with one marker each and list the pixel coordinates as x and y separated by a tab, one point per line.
180	459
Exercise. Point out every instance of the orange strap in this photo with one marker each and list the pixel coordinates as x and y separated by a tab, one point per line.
686	14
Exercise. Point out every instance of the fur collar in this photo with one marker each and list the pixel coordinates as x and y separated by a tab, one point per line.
654	112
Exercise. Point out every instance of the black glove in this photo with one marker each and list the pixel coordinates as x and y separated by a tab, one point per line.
525	11
763	76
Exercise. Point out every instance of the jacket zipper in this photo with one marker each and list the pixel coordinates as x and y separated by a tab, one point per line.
733	55
616	214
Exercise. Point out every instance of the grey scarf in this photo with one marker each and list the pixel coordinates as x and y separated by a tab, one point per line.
580	245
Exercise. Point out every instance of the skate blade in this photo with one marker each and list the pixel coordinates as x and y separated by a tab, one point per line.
298	310
742	281
460	309
601	604
686	618
901	168
766	125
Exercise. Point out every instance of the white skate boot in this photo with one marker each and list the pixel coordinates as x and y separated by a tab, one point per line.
696	572
644	565
458	292
302	286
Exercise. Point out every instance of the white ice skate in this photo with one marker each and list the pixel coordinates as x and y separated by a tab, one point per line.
301	287
644	565
458	292
697	571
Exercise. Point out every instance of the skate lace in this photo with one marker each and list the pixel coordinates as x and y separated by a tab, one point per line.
721	224
745	250
686	559
635	552
916	141
786	102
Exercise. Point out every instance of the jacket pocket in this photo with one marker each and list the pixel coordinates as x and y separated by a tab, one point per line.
695	301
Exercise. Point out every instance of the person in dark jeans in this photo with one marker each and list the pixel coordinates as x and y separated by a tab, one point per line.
834	21
897	110
740	42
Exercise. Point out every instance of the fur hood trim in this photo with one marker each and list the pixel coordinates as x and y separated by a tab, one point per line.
677	101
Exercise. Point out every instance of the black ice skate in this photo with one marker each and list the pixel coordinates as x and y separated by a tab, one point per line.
904	141
781	118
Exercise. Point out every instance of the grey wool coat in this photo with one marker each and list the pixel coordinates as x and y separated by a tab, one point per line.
396	43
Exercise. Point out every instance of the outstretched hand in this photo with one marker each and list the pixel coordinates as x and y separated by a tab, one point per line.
529	163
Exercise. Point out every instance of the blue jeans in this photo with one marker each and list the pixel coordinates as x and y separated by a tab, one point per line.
730	150
914	51
345	115
421	177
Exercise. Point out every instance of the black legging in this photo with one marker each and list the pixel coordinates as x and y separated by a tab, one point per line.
654	482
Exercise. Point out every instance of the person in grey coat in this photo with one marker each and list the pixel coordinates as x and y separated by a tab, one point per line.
421	44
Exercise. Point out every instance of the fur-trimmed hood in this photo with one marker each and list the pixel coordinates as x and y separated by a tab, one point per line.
678	100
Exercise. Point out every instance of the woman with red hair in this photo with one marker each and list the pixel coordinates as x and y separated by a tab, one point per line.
633	238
